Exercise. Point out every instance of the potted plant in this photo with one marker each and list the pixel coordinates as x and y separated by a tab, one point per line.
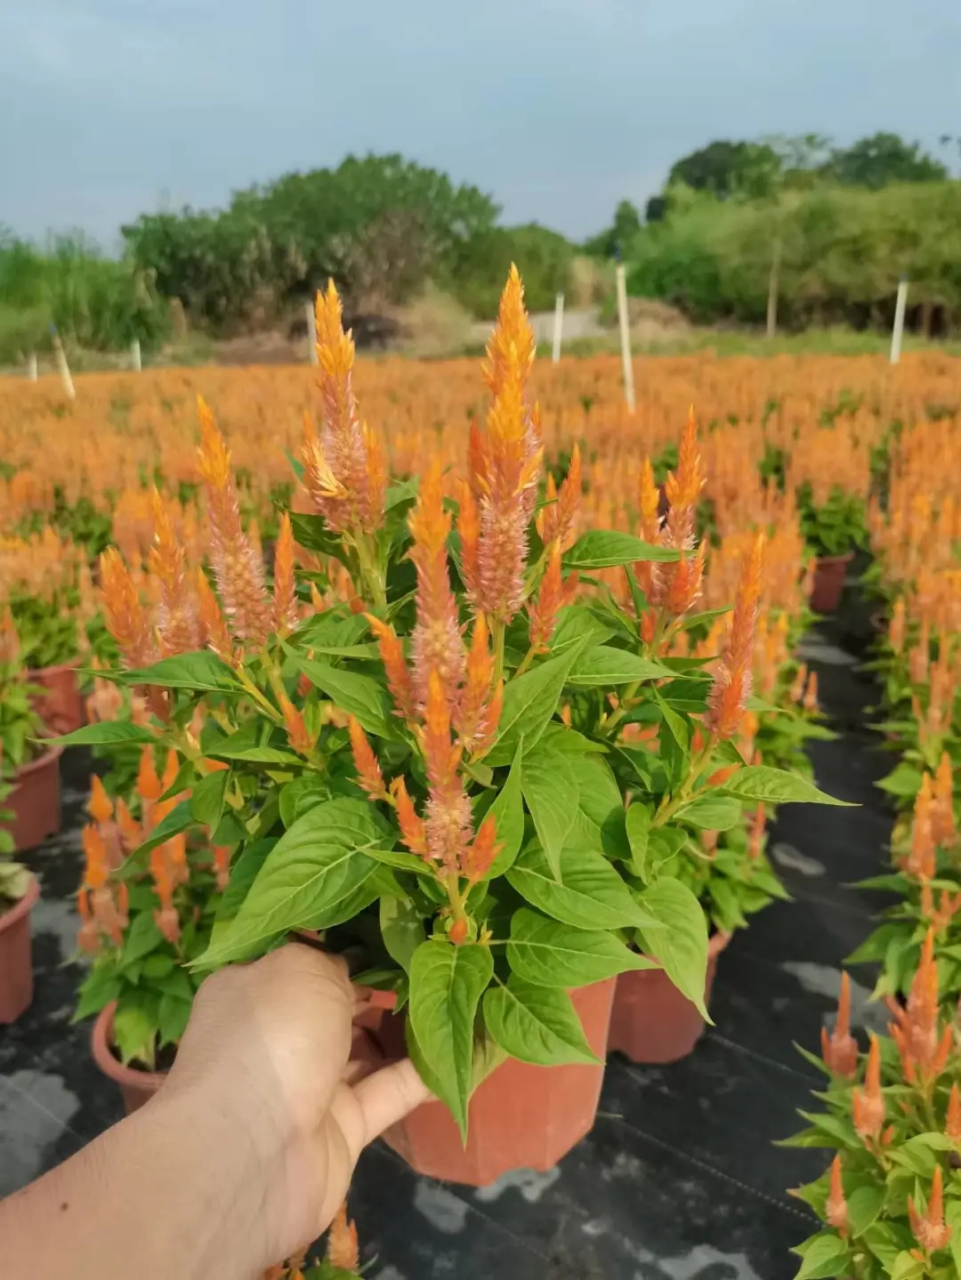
19	891
29	766
430	775
890	1201
833	530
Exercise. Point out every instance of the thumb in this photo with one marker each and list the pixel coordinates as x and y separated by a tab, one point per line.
387	1096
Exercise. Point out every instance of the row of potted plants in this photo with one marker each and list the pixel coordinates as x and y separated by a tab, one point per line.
501	788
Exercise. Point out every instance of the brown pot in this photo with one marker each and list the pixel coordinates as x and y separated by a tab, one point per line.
520	1117
136	1086
16	966
651	1021
60	707
828	583
35	800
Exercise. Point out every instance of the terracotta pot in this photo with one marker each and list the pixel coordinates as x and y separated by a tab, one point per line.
136	1086
828	583
16	965
61	707
35	800
521	1117
651	1021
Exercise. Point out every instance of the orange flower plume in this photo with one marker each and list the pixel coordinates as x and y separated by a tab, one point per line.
836	1208
868	1103
929	1228
395	667
478	709
732	680
448	822
920	862
344	469
177	624
238	570
839	1049
369	775
436	645
123	612
285	602
952	1122
557	521
412	831
342	1249
915	1030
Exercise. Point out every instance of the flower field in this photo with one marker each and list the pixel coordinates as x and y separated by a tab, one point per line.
485	637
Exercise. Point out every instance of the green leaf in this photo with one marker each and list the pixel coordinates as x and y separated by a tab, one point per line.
360	696
314	866
178	820
550	954
904	781
143	937
952	1216
777	786
245	745
606	666
172	1017
551	791
314	534
107	733
681	945
446	984
589	895
199	672
711	812
575	623
300	795
96	991
508	811
536	1024
402	929
907	1267
135	1025
822	1255
864	1205
638	822
606	548
530	701
207	799
402	861
243	873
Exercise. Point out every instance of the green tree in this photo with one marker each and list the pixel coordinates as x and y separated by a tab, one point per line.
882	159
728	168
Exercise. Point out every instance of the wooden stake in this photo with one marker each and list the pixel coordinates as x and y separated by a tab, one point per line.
311	332
558	327
625	336
898	331
32	366
64	369
135	355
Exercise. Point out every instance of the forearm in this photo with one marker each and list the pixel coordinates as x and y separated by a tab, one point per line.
153	1198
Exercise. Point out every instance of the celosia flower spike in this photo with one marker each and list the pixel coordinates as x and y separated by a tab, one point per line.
123	612
395	668
920	863
369	775
448	822
952	1123
554	593
929	1228
478	708
683	488
480	856
436	644
177	625
212	619
99	806
342	1249
412	831
558	520
839	1049
239	572
285	602
915	1028
868	1103
732	681
836	1208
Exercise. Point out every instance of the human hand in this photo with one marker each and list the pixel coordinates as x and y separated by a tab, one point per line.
266	1051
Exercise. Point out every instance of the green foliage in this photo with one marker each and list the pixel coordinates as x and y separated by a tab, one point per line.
14	876
835	527
20	725
476	268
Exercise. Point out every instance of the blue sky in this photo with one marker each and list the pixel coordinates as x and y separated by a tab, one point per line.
559	108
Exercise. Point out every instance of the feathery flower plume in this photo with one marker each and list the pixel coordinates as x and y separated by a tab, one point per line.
436	644
554	593
836	1207
342	1249
483	851
915	1028
412	831
344	467
392	656
177	623
123	612
839	1049
683	489
479	705
929	1228
557	522
212	618
237	569
868	1103
369	775
166	918
952	1122
448	823
297	735
285	601
920	862
505	463
943	826
99	806
732	680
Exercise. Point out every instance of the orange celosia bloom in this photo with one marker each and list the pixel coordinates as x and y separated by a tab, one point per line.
412	831
920	862
212	618
369	775
88	935
395	668
123	612
952	1122
835	1207
297	734
221	859
680	581
756	835
557	522
448	821
868	1103
342	1250
95	873
923	1049
929	1228
177	625
344	468
436	643
648	572
839	1049
810	703
943	826
732	680
149	786
99	806
285	601
553	595
130	831
238	569
478	708
483	851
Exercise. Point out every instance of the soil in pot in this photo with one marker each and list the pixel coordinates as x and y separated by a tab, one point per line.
60	706
521	1116
829	573
35	800
16	964
137	1085
651	1021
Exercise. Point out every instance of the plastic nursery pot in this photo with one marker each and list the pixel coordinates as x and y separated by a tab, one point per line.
16	967
137	1087
521	1116
828	583
651	1021
60	706
35	800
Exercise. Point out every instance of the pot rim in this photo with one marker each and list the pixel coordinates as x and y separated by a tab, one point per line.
829	560
52	754
23	906
111	1065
